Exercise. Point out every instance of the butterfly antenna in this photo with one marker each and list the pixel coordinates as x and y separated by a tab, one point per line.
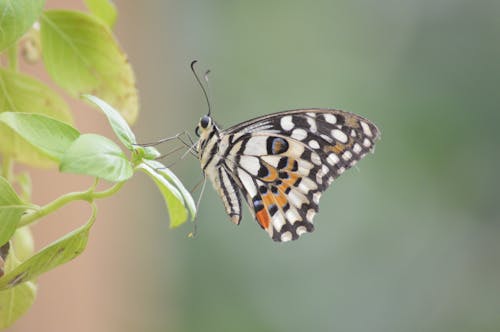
201	84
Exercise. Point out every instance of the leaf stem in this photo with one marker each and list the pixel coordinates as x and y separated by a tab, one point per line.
88	195
108	192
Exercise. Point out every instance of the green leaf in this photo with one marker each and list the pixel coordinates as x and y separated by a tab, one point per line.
14	302
150	152
141	153
173	198
21	93
82	56
16	17
118	124
48	136
59	252
172	178
104	9
22	243
11	210
98	156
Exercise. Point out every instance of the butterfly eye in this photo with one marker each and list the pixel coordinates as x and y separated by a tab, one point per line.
204	122
197	131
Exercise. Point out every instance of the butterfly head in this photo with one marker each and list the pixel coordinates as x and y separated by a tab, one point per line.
205	126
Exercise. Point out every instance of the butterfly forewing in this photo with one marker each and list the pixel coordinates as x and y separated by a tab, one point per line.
283	162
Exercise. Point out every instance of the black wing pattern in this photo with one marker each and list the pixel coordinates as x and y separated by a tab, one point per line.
282	162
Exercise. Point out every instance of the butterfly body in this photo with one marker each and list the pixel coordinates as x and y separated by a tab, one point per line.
281	163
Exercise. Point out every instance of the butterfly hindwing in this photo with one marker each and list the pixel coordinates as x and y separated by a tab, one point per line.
280	194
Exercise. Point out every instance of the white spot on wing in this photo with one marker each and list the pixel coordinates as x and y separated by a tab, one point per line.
366	128
295	149
347	155
315	158
356	148
332	159
247	182
319	178
299	134
367	143
314	144
286	122
278	221
339	135
316	197
250	163
326	138
310	214
287	236
256	146
312	125
272	160
307	184
301	230
324	169
330	118
296	199
292	216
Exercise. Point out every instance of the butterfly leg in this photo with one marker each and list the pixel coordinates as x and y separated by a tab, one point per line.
195	221
163	140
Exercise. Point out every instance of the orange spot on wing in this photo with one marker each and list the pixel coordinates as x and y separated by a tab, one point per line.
290	164
281	199
351	121
291	179
273	174
337	148
277	146
267	199
263	218
283	187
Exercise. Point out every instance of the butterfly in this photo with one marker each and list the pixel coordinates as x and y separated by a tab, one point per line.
281	163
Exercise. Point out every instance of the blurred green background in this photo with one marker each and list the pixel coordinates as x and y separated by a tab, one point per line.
407	241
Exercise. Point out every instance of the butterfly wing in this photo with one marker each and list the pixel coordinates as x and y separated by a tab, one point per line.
283	162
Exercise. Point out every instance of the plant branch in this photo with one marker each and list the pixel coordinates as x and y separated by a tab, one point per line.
108	192
89	196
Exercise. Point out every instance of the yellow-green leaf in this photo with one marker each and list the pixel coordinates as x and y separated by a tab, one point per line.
83	57
98	156
166	173
104	9
11	210
118	124
21	93
173	198
42	134
59	252
16	17
14	302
